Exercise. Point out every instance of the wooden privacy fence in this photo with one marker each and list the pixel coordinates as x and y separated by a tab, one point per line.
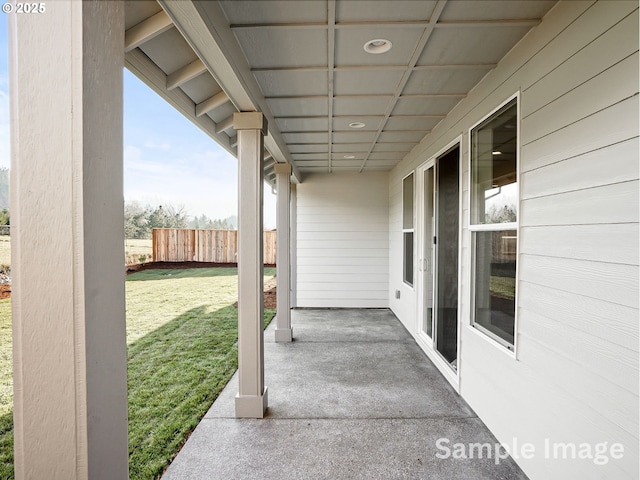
216	246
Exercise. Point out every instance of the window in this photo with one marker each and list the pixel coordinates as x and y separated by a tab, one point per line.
407	229
494	222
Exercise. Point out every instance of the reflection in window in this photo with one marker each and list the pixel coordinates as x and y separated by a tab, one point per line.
494	217
494	168
495	293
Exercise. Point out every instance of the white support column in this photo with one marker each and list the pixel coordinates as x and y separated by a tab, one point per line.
67	242
251	401
284	333
293	256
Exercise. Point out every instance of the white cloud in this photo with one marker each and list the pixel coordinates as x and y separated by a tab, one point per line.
131	154
160	146
196	181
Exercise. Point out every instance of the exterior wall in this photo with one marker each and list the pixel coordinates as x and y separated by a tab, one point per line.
342	240
574	377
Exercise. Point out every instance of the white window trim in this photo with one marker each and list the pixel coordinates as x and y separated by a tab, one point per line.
515	226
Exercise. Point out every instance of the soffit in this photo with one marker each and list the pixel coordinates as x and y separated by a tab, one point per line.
303	64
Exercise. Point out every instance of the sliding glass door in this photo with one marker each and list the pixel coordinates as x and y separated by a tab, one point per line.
438	259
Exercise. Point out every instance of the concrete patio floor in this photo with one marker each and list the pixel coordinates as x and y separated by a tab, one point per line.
352	397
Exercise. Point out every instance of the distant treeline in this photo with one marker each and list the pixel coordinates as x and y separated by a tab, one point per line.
139	220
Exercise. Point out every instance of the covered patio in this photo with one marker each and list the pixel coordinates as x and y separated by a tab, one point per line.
440	160
353	396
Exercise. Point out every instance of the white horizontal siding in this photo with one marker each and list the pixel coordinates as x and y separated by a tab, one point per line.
579	68
344	279
614	323
367	269
610	282
544	406
576	373
604	166
307	225
615	203
613	244
343	241
348	302
341	236
311	260
564	357
554	147
612	86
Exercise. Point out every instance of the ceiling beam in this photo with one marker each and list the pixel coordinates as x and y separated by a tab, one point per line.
290	25
147	71
317	68
468	66
498	22
507	22
343	68
417	52
186	73
146	30
312	97
211	103
411	117
205	28
224	125
433	95
268	163
288	117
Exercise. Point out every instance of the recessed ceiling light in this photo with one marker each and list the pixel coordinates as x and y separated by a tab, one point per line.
496	152
349	156
377	46
357	125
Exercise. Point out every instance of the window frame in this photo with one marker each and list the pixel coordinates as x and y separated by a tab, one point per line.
474	228
411	231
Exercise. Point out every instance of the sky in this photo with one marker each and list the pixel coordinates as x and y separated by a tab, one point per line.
167	159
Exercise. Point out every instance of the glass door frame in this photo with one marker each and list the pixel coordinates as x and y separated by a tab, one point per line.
423	240
428	343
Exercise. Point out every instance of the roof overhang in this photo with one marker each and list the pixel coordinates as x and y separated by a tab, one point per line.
331	105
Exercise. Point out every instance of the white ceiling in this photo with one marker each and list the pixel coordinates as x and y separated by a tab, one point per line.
303	64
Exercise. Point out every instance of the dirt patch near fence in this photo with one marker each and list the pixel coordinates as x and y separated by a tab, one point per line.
175	266
5	291
179	266
270	294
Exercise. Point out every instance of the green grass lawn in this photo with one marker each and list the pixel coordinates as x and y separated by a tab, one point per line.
6	392
504	287
181	336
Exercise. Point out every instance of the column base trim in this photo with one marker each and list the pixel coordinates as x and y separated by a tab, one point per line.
284	335
251	406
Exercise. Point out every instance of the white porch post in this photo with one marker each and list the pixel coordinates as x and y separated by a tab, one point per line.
293	256
251	401
67	242
284	333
